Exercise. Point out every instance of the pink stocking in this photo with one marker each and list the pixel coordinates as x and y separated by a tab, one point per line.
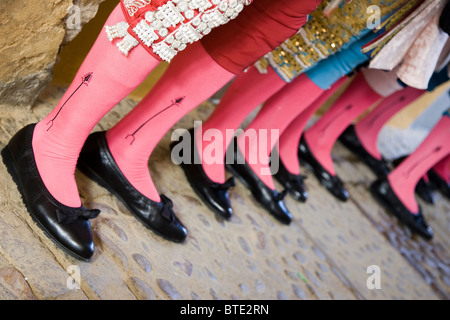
435	147
247	92
368	128
263	132
103	80
191	78
321	137
290	138
442	168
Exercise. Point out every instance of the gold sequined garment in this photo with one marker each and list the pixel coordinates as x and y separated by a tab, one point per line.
324	35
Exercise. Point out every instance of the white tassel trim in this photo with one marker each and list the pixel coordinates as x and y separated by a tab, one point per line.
128	43
120	31
179	14
117	31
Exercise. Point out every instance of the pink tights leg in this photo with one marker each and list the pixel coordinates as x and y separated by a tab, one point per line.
321	137
247	92
290	138
103	80
442	168
263	132
434	148
368	128
191	78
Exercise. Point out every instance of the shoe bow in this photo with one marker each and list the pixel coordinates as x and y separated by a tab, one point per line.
300	178
166	210
226	185
280	196
68	215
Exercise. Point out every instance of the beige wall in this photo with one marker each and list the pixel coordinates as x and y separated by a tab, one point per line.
32	33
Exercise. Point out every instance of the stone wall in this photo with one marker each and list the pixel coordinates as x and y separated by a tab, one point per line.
32	35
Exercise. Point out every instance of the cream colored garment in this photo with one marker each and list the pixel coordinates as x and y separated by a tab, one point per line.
421	59
393	53
444	59
382	82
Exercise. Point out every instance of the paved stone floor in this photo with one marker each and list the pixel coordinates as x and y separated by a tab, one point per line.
323	254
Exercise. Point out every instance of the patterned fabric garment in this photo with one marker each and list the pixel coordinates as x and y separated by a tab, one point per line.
166	27
389	50
329	31
416	49
421	60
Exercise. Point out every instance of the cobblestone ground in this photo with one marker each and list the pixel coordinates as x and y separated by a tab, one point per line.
323	254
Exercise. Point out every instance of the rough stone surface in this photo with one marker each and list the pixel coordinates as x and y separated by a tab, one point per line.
32	35
323	254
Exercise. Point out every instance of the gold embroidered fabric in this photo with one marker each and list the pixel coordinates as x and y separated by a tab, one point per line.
323	35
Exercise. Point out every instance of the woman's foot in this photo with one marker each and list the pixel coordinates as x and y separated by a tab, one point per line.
383	193
68	227
331	182
97	162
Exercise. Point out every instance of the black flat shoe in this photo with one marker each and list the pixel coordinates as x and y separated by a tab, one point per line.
439	183
293	183
383	193
214	195
68	227
331	182
350	140
423	190
97	162
269	199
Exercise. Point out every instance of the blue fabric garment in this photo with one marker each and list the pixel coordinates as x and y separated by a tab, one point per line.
330	70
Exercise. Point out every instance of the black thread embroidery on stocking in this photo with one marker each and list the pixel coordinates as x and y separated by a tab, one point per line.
175	102
415	164
341	112
84	80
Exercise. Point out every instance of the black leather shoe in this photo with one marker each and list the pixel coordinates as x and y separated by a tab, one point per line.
214	195
331	182
97	162
422	189
383	193
68	227
293	183
350	140
439	183
269	199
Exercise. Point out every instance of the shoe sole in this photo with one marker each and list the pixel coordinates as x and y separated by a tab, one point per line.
11	168
90	173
